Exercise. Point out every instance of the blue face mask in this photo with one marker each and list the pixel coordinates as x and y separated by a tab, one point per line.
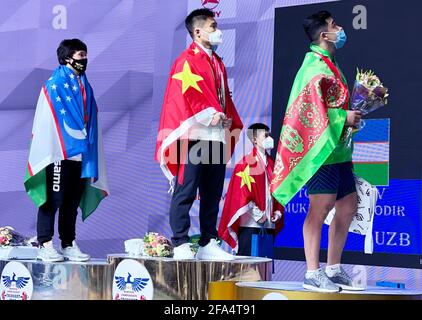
341	39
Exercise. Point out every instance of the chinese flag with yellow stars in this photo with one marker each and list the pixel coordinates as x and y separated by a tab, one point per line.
190	98
247	185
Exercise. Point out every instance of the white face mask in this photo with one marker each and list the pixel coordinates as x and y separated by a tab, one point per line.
215	38
268	143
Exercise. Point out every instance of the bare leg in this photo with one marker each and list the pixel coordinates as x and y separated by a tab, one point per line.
345	210
320	205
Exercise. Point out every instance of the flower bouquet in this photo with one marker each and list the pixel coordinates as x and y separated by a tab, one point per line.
156	245
5	236
9	237
14	245
368	93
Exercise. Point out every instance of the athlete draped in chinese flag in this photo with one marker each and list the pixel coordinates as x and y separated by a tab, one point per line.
198	120
248	205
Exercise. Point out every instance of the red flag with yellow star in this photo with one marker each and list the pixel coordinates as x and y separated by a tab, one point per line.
247	185
190	98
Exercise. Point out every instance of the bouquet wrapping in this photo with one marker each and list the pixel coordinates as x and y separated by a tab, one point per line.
368	93
10	237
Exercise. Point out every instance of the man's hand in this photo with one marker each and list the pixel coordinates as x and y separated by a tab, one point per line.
277	216
227	123
353	118
263	219
217	118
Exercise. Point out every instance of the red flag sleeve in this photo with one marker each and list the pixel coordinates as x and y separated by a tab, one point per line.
235	205
239	195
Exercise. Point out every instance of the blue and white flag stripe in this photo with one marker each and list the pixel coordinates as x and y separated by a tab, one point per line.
377	152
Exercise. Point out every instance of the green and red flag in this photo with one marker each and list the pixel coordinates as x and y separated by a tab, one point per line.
313	128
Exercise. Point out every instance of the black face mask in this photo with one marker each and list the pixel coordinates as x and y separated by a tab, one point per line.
79	65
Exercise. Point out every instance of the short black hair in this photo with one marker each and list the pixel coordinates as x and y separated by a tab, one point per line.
315	24
195	16
68	47
253	130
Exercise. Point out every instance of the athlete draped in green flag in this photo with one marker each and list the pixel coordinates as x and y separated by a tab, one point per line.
315	149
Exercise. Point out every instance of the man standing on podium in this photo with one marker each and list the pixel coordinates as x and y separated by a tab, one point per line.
66	167
199	127
315	149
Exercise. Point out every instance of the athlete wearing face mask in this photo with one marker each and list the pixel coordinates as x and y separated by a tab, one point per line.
77	61
215	38
61	182
318	153
198	112
79	65
268	144
340	40
248	205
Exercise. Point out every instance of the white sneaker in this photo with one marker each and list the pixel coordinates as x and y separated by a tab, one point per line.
183	252
48	253
212	251
73	253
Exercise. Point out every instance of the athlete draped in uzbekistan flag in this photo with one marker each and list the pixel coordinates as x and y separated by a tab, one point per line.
66	168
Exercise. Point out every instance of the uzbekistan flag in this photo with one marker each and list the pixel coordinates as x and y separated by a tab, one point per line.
65	125
371	154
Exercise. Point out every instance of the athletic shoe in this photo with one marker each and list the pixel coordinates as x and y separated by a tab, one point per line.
343	280
212	251
48	253
319	282
73	253
183	252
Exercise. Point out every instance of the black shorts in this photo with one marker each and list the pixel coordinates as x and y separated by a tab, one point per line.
335	178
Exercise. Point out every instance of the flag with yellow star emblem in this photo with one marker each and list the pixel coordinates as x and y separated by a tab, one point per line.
247	185
191	98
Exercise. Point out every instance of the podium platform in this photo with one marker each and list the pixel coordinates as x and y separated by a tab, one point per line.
246	278
188	279
68	280
275	290
170	279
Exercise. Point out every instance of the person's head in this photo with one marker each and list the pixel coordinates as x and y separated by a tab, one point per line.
259	135
202	27
73	53
322	29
